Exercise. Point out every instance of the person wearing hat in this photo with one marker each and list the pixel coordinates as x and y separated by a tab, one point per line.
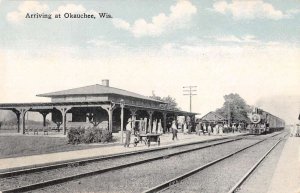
128	133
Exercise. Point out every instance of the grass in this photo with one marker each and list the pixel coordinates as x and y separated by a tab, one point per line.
14	146
8	131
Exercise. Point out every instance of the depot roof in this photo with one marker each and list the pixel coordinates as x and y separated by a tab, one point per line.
97	89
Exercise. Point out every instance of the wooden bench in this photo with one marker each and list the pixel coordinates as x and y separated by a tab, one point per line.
46	130
55	129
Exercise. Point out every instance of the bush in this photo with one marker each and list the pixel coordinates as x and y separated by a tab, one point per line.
98	135
76	135
89	135
106	136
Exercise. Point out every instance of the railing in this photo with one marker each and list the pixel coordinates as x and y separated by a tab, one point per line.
45	130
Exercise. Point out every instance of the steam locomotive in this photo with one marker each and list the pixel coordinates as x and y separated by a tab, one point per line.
263	122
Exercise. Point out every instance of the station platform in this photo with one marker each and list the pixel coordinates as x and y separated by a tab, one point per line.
286	178
7	164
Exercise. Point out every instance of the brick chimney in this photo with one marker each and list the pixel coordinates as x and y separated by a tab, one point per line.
105	82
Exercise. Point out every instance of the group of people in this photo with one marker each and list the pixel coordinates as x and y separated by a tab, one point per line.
141	126
204	128
186	127
210	129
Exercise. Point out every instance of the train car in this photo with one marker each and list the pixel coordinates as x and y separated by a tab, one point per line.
263	122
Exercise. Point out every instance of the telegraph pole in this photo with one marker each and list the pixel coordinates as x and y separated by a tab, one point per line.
190	91
229	115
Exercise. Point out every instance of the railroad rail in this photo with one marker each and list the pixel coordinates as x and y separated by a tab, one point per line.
78	162
251	170
95	172
177	179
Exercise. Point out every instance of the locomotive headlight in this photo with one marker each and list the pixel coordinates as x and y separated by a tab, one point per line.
255	118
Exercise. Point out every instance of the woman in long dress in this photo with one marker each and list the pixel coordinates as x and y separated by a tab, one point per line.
204	128
221	129
198	129
154	126
159	127
185	129
145	127
215	129
209	129
141	125
233	128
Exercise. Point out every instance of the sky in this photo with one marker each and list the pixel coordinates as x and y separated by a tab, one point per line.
247	47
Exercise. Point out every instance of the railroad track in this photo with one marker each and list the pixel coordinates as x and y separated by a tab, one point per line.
45	167
38	185
240	182
170	183
235	188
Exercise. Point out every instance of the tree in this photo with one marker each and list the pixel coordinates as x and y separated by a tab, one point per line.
171	102
234	108
7	117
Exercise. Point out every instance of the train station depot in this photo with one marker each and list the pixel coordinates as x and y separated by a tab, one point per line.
98	105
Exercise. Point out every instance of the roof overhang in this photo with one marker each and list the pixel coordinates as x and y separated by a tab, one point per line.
51	105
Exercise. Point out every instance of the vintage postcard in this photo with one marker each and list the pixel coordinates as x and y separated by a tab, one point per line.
150	96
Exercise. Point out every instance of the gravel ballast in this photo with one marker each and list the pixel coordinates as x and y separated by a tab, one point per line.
141	177
259	181
222	176
22	180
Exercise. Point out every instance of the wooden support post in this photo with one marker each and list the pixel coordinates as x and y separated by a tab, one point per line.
150	120
109	109
64	111
64	119
18	119
193	120
44	120
18	122
44	113
110	120
165	121
122	122
133	116
22	121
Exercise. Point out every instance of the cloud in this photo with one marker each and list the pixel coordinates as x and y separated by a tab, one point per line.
72	8
102	43
248	69
233	38
119	23
24	8
248	9
292	12
179	15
